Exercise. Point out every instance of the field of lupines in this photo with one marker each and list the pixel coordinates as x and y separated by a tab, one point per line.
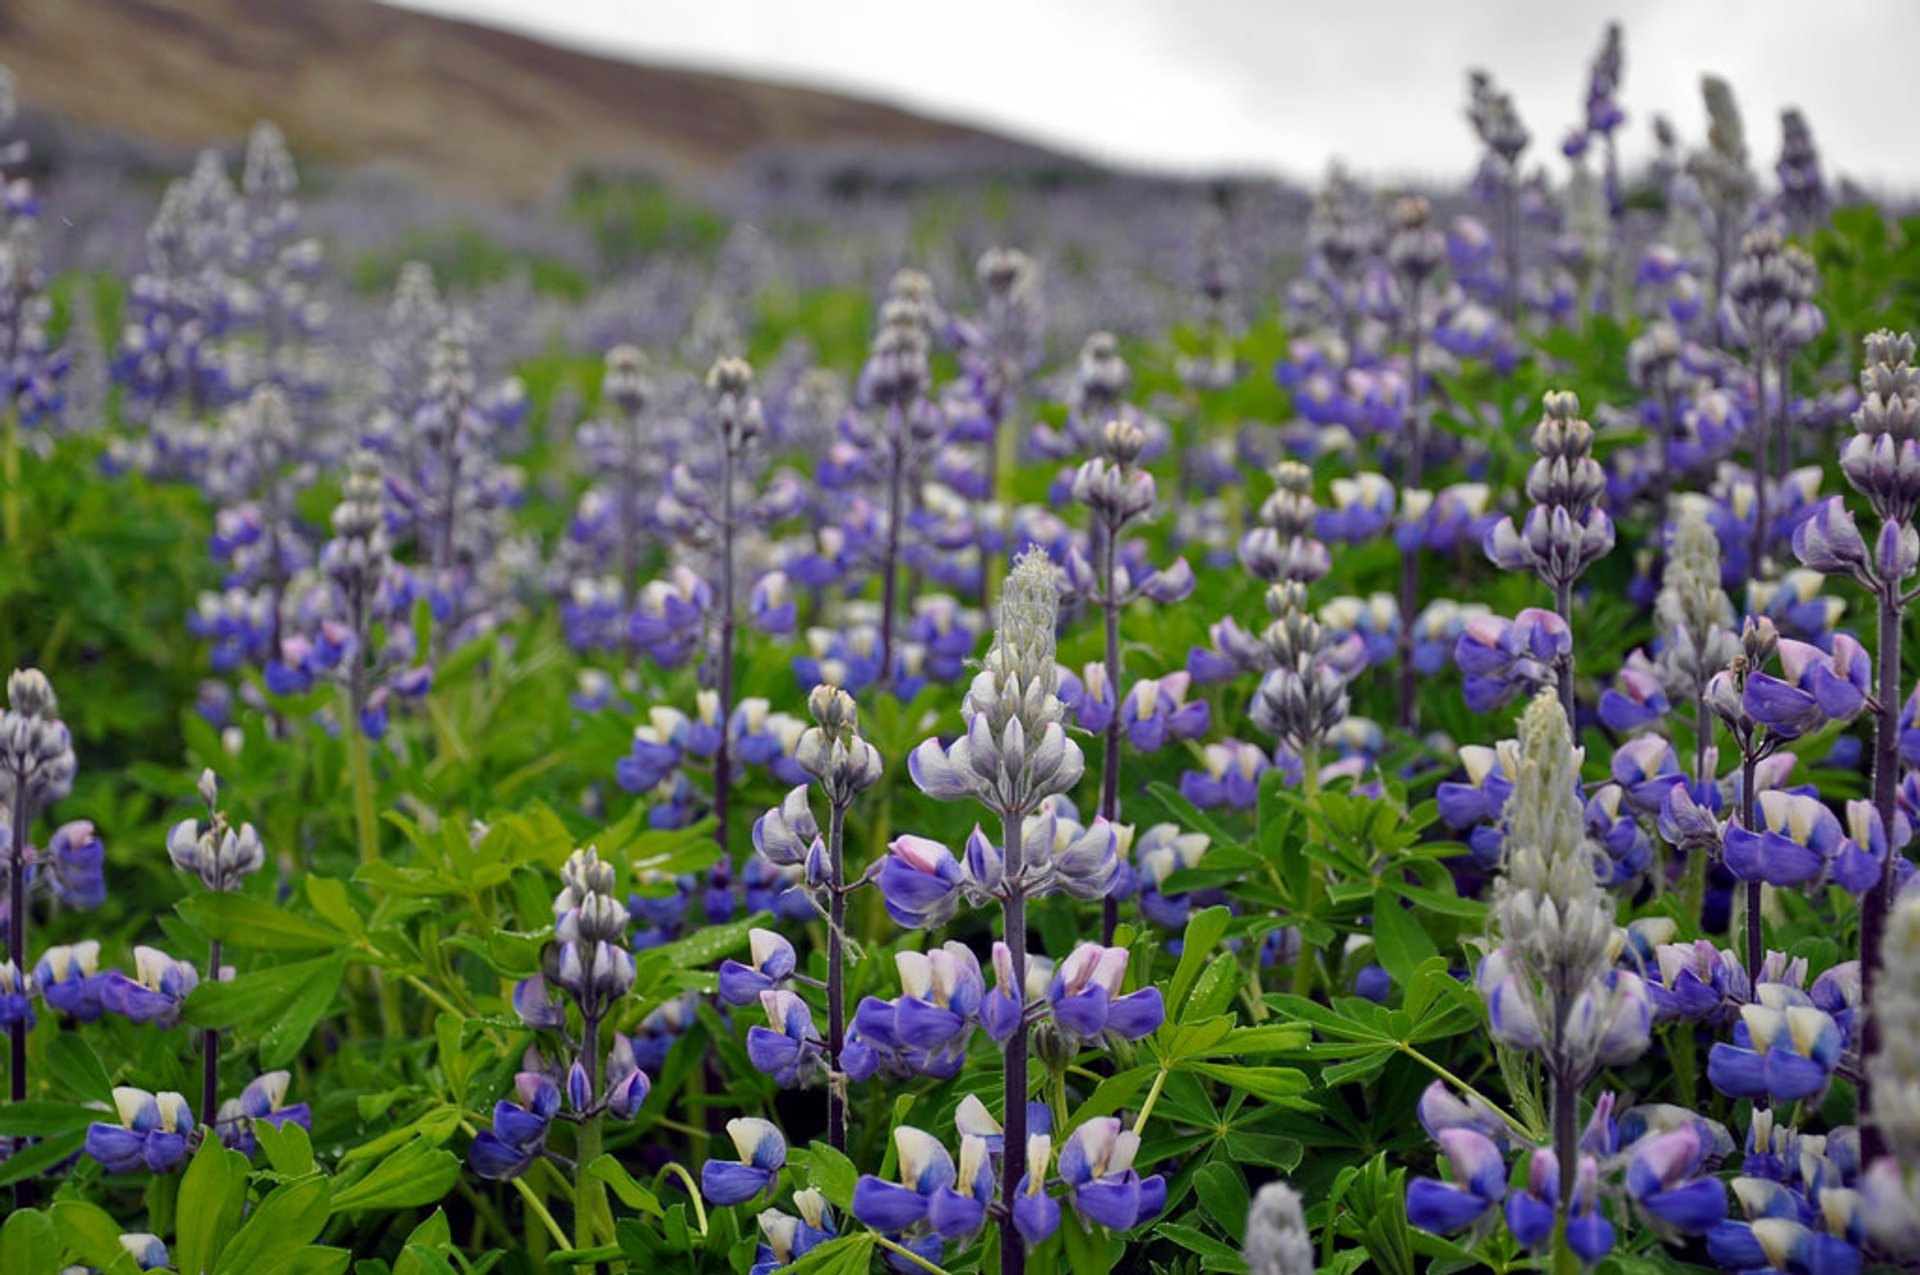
1405	770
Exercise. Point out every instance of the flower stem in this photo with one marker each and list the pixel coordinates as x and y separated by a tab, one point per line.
1110	764
890	564
1879	898
210	1049
1756	948
1563	606
17	948
591	1218
723	754
836	975
1013	1252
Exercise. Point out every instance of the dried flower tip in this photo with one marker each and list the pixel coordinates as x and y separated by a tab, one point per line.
30	693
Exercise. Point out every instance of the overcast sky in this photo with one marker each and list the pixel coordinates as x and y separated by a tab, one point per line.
1283	86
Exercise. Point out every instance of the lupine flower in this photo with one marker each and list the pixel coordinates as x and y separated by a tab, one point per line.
1665	1179
16	997
155	993
152	1133
1231	777
1156	711
1277	1241
262	1101
940	996
772	962
1096	1163
1784	1048
519	1132
1502	658
1566	531
790	1049
1085	996
1799	842
1479	1183
1531	1214
926	1169
1817	688
1696	981
786	1239
763	1153
68	978
1159	852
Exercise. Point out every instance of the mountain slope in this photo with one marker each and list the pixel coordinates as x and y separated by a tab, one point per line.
467	106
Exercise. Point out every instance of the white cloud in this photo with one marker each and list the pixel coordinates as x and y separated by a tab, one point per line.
1275	85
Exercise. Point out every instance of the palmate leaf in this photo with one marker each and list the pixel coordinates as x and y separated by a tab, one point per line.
1358	1036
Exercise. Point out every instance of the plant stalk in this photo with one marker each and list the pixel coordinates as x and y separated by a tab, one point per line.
1013	1251
836	976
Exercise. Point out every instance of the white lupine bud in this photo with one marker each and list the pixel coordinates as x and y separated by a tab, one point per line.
1277	1242
1896	1001
1549	908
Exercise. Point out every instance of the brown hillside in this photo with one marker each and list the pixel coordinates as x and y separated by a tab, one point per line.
349	80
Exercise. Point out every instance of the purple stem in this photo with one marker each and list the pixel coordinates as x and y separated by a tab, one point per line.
1879	899
1110	768
723	754
896	499
210	1049
1013	1251
836	976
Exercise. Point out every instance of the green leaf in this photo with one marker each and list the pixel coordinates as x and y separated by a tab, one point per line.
848	1255
1194	1240
1400	943
1223	1194
28	1244
414	1176
90	1234
212	1194
1203	933
631	1193
37	1118
251	923
833	1173
1214	991
40	1157
289	1149
1268	1083
278	1006
76	1068
331	900
287	1220
1113	1093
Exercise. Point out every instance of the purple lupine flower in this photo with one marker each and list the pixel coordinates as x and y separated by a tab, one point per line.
940	997
1096	1163
68	979
1796	842
786	1238
763	1153
1231	777
1479	1183
1784	1048
1666	1179
772	961
925	1167
151	1135
16	997
789	1049
519	1132
1159	852
1818	687
155	993
1086	1000
919	881
263	1101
